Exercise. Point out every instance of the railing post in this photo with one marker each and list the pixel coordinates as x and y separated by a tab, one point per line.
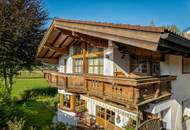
158	92
137	95
66	82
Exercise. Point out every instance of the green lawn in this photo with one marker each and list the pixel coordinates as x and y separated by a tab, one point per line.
38	111
25	84
26	74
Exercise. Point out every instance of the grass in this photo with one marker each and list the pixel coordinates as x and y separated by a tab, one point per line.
39	111
36	114
26	84
34	74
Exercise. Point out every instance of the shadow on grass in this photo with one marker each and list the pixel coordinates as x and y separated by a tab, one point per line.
36	114
37	92
37	107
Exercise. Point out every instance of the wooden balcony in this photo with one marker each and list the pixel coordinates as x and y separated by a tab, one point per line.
124	91
73	83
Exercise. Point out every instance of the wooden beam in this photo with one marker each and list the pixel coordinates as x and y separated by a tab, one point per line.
143	39
59	34
57	49
98	42
47	60
84	58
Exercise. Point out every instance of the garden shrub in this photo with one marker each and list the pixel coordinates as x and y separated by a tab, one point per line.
61	126
16	124
6	113
33	93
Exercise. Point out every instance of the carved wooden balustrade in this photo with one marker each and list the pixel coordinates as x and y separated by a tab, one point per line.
69	82
125	91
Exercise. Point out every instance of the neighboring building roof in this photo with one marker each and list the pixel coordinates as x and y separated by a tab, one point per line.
63	32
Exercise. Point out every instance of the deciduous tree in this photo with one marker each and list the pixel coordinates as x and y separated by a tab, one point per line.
21	29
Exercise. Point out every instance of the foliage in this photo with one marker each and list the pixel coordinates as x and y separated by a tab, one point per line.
33	93
130	125
16	124
152	23
24	74
20	33
36	114
61	126
22	85
173	28
37	111
6	113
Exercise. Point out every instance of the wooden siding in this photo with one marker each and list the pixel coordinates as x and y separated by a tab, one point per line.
129	92
107	125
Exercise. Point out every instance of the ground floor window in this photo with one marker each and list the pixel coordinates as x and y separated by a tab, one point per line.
110	116
79	102
100	112
106	114
66	102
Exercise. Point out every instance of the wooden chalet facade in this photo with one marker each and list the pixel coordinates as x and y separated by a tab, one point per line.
112	72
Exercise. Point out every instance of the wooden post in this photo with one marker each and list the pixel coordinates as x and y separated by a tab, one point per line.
72	103
61	103
84	58
137	95
65	65
158	92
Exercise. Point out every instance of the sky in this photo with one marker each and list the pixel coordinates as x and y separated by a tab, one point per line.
134	12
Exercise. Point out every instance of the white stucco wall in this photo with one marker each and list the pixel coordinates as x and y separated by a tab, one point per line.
61	67
180	89
124	115
69	62
114	59
122	61
69	118
108	60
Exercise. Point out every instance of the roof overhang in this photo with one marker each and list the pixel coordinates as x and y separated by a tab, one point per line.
63	33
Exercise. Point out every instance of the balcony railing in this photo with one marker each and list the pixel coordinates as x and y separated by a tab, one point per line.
125	91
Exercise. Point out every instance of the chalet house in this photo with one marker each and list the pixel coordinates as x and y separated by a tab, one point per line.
118	76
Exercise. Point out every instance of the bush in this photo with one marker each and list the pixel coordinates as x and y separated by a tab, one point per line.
6	113
33	93
61	126
16	124
130	125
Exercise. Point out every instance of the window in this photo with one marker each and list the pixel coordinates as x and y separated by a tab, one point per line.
145	66
92	49
186	65
100	112
79	102
78	65
77	49
66	102
138	65
155	68
95	65
110	116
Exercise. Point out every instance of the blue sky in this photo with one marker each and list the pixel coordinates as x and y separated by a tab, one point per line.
135	12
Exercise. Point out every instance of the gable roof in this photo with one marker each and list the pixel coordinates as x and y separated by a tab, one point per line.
62	33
